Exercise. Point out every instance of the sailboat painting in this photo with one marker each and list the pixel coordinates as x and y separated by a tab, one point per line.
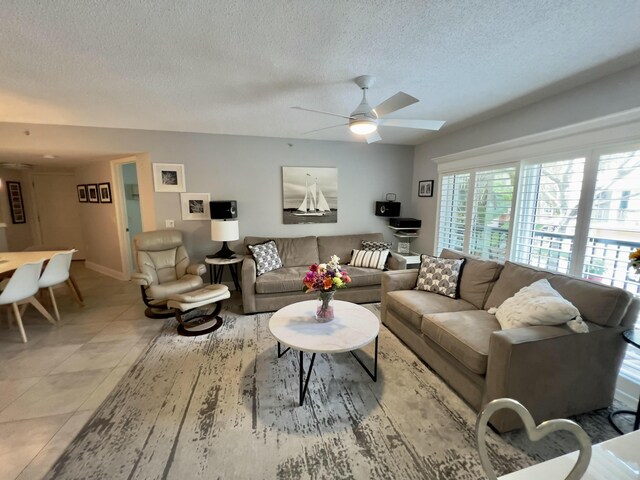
309	195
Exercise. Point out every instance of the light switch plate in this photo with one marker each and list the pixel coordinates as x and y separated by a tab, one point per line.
169	223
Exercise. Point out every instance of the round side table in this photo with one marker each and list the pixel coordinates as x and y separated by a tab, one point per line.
216	268
632	337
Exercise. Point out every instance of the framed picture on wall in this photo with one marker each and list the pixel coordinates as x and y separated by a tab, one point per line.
104	192
82	194
92	193
15	202
168	177
425	188
195	206
309	195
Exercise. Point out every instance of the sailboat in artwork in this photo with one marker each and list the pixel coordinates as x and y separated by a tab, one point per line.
314	203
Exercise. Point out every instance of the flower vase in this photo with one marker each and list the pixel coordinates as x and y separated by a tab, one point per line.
324	312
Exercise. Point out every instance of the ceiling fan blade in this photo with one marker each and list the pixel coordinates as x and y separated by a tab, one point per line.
373	137
319	111
395	102
418	124
325	128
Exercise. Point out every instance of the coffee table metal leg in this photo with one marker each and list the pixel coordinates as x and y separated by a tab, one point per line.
280	353
303	389
374	375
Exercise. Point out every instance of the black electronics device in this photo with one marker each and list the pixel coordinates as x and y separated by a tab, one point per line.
407	223
223	209
387	209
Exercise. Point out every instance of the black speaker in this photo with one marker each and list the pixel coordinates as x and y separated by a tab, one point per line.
223	209
388	209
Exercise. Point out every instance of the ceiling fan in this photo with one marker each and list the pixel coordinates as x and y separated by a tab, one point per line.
365	120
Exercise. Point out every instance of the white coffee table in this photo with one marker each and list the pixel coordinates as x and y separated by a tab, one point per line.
352	328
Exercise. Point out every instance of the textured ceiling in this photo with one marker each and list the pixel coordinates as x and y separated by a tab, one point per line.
237	67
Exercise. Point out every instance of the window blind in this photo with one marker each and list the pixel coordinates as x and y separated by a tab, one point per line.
453	211
491	217
549	194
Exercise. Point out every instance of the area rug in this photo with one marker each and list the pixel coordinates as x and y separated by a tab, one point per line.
224	406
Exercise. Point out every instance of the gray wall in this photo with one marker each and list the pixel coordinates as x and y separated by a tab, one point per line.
246	169
608	95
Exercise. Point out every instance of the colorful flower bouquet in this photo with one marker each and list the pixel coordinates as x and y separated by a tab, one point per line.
634	260
325	278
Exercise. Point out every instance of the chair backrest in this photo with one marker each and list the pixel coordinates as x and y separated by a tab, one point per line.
161	255
22	284
57	269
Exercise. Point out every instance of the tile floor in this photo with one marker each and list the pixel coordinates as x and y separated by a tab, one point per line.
50	386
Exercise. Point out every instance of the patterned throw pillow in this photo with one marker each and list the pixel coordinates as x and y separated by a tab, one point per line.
266	256
369	258
370	245
439	275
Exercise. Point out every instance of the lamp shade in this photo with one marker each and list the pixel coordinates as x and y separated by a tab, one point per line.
224	231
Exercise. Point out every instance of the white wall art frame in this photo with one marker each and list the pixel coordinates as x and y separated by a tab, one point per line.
195	206
168	177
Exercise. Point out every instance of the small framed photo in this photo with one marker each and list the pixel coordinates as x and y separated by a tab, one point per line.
195	206
15	202
425	188
82	194
104	192
92	193
168	177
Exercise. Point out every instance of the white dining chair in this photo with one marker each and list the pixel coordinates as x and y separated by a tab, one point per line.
20	289
55	273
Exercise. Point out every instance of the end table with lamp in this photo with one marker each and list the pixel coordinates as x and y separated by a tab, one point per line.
224	231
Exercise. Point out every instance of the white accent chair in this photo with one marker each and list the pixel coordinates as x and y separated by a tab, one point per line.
55	273
20	289
164	269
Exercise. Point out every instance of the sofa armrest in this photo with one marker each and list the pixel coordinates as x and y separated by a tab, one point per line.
396	262
196	269
399	280
552	371
143	279
249	275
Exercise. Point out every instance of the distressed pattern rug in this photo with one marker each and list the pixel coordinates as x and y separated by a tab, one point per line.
224	406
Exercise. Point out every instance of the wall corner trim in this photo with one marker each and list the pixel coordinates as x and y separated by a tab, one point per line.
105	270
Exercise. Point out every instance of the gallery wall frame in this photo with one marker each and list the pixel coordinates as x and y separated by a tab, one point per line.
195	206
16	205
168	177
92	193
104	192
425	188
82	194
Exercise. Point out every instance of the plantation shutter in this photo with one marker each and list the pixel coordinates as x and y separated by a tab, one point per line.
548	208
491	218
453	211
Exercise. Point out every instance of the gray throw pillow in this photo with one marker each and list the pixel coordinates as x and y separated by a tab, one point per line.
266	257
371	245
439	275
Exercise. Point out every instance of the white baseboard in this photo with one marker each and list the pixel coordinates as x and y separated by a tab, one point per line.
105	270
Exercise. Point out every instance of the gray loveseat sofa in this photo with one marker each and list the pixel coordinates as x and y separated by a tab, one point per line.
278	288
551	370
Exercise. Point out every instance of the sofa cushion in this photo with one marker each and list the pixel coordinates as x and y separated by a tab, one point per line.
413	304
465	335
477	279
266	257
370	245
342	245
597	303
294	251
369	258
286	279
439	275
363	277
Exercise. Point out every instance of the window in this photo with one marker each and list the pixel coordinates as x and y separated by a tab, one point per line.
454	191
548	204
491	218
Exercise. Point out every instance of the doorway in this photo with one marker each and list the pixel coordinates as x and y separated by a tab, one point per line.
130	203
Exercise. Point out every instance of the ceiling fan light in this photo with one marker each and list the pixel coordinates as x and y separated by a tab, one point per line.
363	127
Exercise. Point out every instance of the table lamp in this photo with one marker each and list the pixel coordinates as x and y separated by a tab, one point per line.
224	231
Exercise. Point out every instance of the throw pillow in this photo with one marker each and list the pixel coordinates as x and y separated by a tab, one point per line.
266	257
369	258
439	275
539	304
370	245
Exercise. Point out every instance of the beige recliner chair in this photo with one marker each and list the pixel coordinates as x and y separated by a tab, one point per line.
163	270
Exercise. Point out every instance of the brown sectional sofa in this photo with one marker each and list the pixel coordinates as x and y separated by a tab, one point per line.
278	288
551	370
